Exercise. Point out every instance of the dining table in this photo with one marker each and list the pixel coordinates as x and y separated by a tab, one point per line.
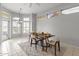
45	41
43	38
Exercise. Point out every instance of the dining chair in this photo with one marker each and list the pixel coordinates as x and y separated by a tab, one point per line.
53	43
34	39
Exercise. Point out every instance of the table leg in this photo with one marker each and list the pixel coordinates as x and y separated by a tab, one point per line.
55	50
59	45
31	43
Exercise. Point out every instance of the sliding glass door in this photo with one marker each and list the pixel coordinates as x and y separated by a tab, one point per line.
5	29
16	27
27	25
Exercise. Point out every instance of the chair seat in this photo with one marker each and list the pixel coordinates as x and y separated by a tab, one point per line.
52	42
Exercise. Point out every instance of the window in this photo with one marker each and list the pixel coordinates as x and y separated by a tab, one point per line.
5	26
26	30
16	25
16	18
4	30
26	19
26	25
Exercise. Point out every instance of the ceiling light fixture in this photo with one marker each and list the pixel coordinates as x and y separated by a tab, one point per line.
71	10
20	20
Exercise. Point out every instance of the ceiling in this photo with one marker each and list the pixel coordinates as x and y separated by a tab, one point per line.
26	8
36	8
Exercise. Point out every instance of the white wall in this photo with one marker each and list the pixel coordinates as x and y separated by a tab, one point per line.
65	27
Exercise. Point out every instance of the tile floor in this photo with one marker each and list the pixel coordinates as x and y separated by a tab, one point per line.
12	48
